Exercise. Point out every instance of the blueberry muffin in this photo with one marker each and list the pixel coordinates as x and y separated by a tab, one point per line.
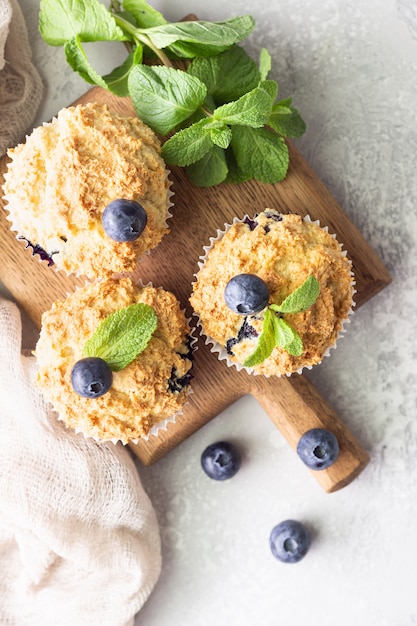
272	293
99	391
60	182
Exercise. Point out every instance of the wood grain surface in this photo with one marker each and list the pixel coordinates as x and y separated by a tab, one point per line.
292	403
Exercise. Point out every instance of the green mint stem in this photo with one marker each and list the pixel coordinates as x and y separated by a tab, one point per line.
206	111
139	36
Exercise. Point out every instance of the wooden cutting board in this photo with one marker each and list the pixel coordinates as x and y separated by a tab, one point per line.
293	403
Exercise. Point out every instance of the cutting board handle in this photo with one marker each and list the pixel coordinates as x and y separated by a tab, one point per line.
295	406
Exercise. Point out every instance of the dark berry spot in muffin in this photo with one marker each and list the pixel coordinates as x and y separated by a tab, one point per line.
251	223
229	345
189	351
246	331
176	383
273	216
64	239
37	250
267	229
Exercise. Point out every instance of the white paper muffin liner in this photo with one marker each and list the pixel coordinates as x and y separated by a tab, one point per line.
220	351
159	426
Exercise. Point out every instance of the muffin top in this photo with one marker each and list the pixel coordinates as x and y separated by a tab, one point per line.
284	251
61	179
151	388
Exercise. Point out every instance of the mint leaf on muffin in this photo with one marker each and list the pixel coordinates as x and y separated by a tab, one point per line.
301	298
276	331
122	336
266	341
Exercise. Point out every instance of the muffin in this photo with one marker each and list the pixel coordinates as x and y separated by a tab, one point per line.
272	293
60	181
142	393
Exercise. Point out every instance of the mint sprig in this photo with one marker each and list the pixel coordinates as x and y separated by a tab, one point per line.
122	335
235	125
301	298
276	331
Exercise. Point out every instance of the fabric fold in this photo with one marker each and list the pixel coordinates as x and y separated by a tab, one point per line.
21	86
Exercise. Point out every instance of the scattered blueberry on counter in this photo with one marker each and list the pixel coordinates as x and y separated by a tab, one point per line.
91	377
221	460
246	294
289	541
318	448
124	220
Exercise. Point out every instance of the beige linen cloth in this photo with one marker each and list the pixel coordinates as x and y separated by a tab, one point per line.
79	541
20	85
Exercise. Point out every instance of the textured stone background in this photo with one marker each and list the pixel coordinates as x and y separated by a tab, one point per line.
351	67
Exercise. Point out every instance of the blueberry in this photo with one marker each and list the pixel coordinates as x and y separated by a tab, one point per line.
318	448
221	460
91	377
289	541
124	220
246	294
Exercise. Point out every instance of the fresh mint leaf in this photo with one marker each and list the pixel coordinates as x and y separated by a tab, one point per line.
188	145
186	50
123	335
271	87
287	338
284	105
206	69
164	97
228	75
145	15
301	298
253	109
266	342
260	153
209	171
77	59
117	80
214	35
235	174
265	63
60	21
221	136
286	120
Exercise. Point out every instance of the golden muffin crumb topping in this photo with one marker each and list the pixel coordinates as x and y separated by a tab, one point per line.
283	250
61	179
150	389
